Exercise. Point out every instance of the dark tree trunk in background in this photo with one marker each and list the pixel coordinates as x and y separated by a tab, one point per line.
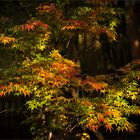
133	26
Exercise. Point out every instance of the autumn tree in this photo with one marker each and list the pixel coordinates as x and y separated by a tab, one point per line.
62	99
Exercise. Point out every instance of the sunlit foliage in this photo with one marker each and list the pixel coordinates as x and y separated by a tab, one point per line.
6	39
61	99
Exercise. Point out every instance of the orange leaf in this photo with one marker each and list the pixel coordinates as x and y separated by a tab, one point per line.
6	40
31	25
108	127
2	93
68	27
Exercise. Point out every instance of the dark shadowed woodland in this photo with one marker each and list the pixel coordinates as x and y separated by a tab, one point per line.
70	69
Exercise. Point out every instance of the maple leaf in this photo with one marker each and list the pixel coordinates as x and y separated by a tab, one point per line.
27	27
31	25
2	87
91	84
55	54
43	73
74	22
69	27
46	8
6	39
108	127
72	25
24	91
86	103
50	9
92	124
100	117
2	93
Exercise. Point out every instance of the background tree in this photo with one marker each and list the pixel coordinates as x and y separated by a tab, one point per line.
133	26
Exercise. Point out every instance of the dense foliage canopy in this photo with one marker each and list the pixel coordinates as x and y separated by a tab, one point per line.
61	98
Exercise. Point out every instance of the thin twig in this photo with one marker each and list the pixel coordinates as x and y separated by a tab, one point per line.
69	41
9	110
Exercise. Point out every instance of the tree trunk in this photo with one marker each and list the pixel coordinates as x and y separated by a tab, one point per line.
133	26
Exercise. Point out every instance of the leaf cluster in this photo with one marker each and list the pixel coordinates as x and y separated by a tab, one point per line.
61	99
